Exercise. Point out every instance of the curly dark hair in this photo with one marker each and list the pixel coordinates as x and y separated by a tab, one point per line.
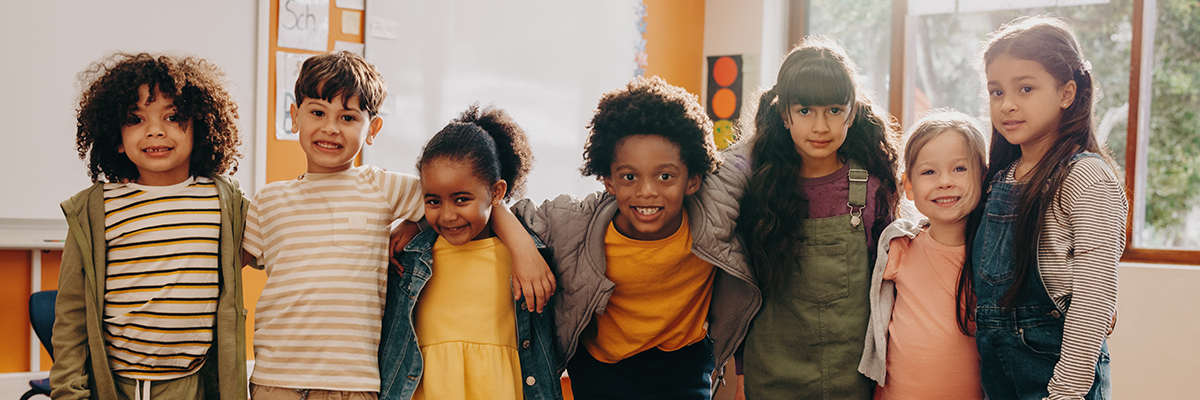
488	138
818	73
197	88
650	106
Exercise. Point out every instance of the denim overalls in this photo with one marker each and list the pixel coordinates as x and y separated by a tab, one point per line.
808	346
1018	347
400	362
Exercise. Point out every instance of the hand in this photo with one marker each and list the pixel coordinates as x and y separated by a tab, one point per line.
532	279
404	233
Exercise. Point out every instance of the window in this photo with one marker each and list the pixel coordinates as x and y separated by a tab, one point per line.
1145	57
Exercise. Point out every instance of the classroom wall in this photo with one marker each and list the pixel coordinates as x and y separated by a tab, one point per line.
675	42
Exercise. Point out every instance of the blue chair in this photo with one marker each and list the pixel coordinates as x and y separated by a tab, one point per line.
41	316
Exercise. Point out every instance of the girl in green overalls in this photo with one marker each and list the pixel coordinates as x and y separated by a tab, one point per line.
821	189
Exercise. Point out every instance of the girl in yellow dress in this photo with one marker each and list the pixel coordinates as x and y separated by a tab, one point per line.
474	340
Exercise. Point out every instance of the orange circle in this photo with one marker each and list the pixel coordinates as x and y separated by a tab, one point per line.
723	103
724	71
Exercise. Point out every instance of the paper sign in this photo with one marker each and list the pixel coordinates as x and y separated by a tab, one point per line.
304	24
287	69
352	22
384	28
351	4
356	48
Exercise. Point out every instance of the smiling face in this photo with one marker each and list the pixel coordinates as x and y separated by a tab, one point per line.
458	205
650	181
944	182
1026	103
817	132
157	141
332	132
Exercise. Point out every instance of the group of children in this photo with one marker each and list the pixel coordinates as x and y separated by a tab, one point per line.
783	252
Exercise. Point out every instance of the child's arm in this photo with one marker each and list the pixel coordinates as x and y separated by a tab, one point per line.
404	233
68	376
531	276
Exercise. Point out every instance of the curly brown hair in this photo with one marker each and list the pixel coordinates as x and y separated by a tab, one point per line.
197	89
490	141
650	106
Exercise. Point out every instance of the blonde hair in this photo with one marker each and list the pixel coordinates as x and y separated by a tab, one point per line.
933	125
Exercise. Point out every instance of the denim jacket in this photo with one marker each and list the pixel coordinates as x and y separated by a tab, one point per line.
400	362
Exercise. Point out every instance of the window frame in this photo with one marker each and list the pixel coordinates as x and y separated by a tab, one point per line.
900	91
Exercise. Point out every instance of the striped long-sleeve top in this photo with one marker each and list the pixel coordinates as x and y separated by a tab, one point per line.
161	282
1083	236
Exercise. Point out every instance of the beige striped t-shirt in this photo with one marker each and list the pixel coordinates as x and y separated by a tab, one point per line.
323	240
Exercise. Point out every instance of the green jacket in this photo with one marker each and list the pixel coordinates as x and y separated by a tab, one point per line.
80	360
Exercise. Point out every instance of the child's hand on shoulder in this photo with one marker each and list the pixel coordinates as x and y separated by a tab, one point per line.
532	279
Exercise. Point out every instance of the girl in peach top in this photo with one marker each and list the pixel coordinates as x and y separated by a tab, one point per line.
915	348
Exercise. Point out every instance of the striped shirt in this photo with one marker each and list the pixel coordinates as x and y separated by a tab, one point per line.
323	239
161	283
1082	239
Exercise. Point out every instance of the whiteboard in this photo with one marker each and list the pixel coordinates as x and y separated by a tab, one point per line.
46	43
545	62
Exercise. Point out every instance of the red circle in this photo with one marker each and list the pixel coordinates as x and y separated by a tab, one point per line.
723	103
725	71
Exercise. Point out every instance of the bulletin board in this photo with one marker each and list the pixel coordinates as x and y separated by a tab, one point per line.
545	62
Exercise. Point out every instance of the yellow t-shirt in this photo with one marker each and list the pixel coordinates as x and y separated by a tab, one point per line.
661	297
466	324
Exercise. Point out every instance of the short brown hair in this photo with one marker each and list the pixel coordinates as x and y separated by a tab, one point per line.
341	73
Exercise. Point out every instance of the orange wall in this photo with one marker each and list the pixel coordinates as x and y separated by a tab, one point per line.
15	331
675	42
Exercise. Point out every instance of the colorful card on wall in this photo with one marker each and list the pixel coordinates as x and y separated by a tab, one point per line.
304	24
287	69
724	100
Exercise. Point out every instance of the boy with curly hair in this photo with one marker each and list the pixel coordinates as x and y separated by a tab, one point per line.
149	301
323	240
654	285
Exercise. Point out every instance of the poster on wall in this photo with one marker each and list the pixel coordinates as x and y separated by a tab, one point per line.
287	69
724	99
304	24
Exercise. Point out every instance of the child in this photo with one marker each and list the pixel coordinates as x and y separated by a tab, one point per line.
150	289
323	240
653	283
1045	256
914	288
483	344
821	191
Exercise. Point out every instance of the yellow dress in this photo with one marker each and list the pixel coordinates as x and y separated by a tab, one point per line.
466	324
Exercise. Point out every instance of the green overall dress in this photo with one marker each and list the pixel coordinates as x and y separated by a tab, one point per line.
807	344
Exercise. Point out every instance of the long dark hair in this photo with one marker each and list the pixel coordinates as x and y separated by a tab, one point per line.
1051	42
816	73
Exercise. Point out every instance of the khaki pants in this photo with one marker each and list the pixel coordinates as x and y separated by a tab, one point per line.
260	392
186	388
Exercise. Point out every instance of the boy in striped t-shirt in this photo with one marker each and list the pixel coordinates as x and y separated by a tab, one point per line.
323	241
149	301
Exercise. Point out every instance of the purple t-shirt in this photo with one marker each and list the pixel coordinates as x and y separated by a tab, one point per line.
827	197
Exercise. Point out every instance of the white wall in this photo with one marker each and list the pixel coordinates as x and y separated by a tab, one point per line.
47	43
1156	346
754	29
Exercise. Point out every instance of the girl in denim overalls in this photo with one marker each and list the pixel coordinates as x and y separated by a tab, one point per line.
1052	227
822	189
458	334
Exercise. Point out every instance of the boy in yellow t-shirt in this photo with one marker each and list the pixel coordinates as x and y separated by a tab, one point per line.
655	285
